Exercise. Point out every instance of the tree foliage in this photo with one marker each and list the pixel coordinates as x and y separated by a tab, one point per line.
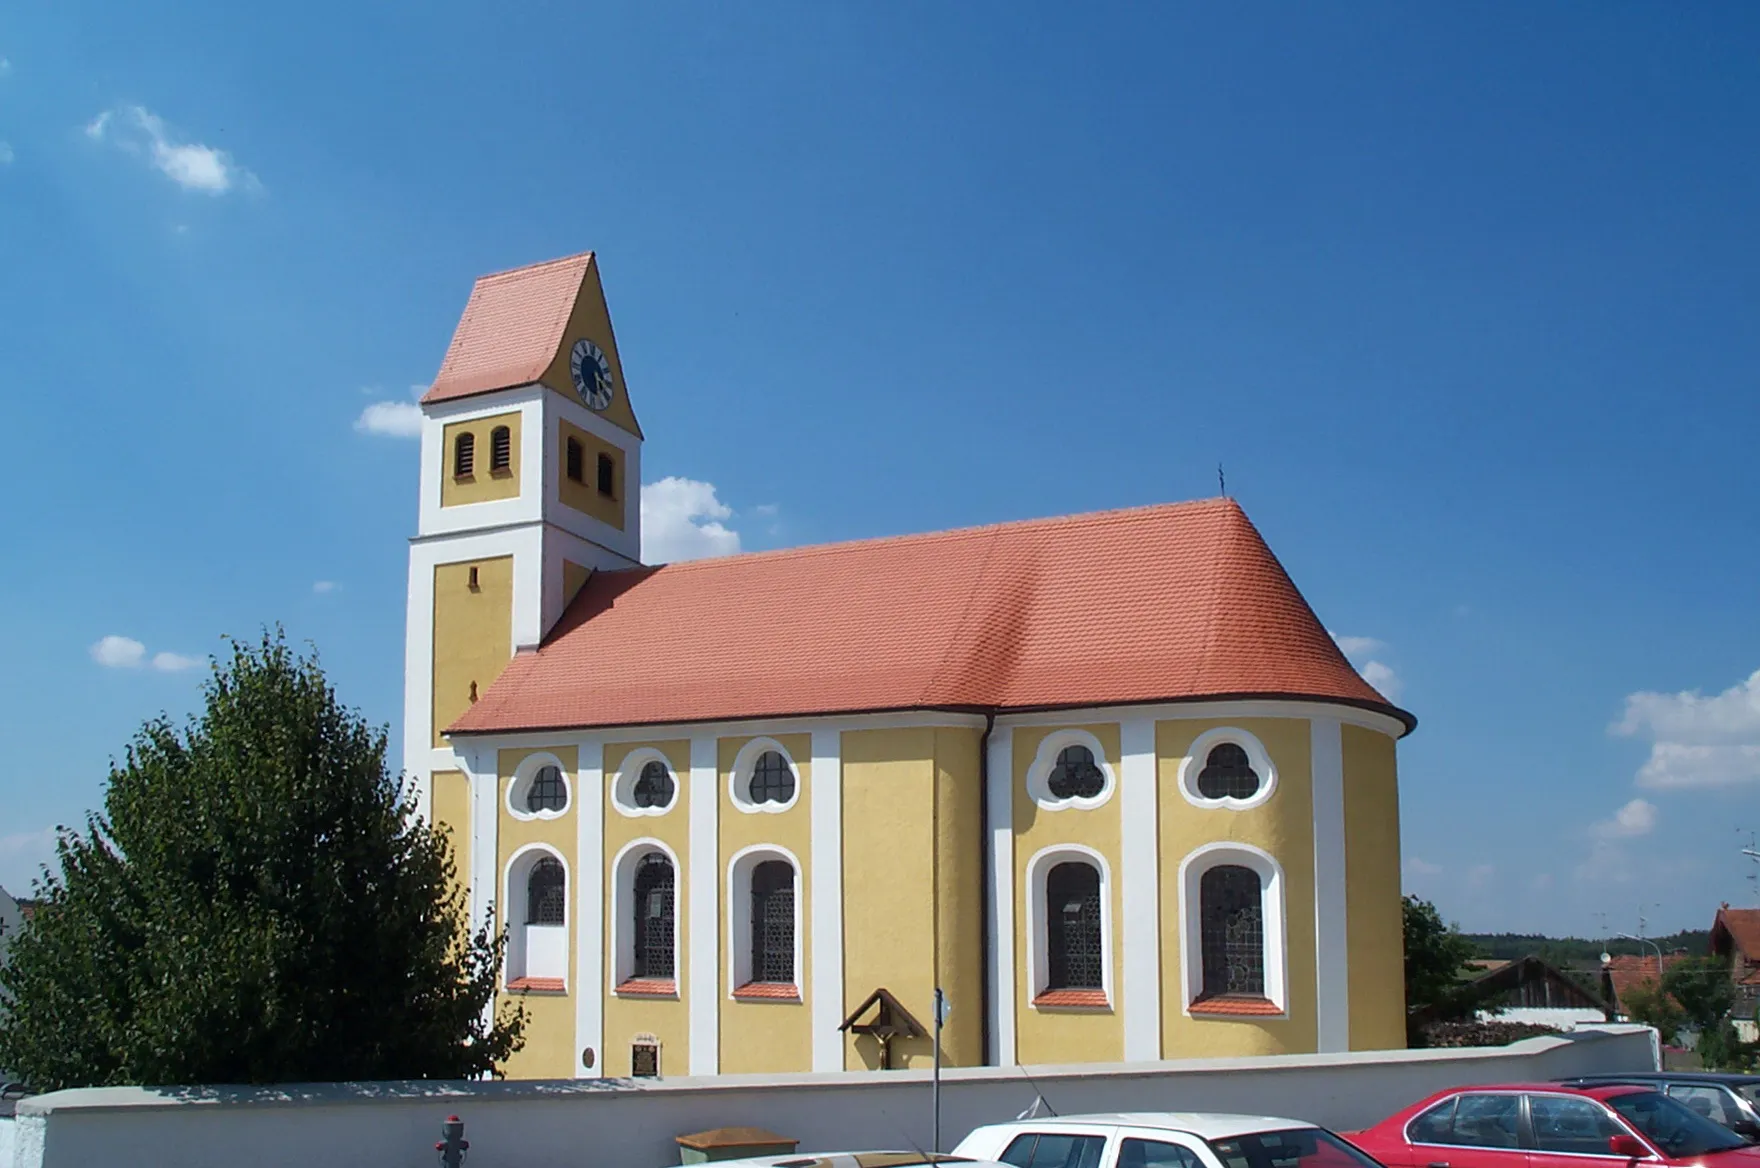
256	903
1438	988
1705	993
1647	1003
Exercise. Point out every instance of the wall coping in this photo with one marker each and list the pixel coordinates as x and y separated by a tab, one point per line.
91	1100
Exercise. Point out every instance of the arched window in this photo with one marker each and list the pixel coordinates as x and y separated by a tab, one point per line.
773	922
607	476
574	458
1228	774
464	455
1076	775
1232	924
654	786
547	893
772	779
653	917
500	450
547	792
1074	956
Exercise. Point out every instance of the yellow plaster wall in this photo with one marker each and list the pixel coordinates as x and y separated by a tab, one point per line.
473	634
627	1017
1372	894
1064	1035
1282	826
549	1051
591	318
482	485
450	806
960	860
584	496
767	1036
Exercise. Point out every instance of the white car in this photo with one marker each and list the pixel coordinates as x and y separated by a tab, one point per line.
1162	1139
858	1160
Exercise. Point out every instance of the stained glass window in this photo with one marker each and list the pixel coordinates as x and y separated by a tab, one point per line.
653	786
1076	775
1072	927
773	922
653	923
772	779
1232	921
547	792
1227	774
547	893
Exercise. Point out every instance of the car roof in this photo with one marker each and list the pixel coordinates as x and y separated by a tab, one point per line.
1665	1077
1595	1090
1209	1125
857	1160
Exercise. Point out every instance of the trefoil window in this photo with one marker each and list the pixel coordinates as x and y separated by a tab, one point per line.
1076	775
772	779
1228	774
654	786
548	792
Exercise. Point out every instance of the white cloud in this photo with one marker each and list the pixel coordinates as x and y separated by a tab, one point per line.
323	586
114	652
191	165
1383	678
1697	741
1377	673
6	154
682	520
1479	875
1357	646
1418	867
1634	819
391	419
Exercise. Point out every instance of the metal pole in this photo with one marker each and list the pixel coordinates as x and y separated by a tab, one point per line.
1653	945
935	1090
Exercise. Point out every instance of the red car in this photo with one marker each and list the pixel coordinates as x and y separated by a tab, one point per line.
1544	1125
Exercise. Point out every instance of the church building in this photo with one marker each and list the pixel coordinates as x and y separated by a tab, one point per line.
1104	779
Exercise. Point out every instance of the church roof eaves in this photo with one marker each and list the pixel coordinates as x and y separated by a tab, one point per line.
1170	603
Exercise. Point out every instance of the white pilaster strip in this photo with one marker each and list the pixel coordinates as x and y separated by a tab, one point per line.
485	822
588	987
702	885
1331	937
825	994
1140	890
999	808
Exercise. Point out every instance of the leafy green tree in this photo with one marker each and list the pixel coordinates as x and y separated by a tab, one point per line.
1437	974
1647	1003
255	904
1702	987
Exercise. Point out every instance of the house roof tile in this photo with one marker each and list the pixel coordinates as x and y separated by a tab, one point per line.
1166	603
511	328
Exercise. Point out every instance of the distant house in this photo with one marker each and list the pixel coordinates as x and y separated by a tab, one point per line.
11	921
1628	973
1529	990
1735	937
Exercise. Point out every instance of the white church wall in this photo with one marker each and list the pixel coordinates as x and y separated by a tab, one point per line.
632	1123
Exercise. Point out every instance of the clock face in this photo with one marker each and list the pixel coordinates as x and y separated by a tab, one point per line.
592	374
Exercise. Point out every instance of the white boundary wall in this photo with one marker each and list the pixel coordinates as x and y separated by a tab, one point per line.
616	1123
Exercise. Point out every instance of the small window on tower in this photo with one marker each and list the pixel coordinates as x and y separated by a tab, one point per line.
500	450
464	455
607	476
575	473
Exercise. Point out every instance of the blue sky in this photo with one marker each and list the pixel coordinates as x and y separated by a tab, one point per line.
1465	298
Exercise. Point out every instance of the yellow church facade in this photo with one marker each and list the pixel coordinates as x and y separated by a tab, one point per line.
1104	779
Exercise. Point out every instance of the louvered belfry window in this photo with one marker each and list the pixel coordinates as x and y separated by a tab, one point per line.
1073	945
1232	923
607	476
500	449
653	786
1076	775
548	792
653	923
464	455
575	454
1228	774
772	779
546	893
773	922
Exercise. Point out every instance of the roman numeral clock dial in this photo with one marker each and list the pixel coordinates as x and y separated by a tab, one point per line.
592	374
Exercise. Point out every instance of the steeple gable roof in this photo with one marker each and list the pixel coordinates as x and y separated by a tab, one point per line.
1178	602
511	329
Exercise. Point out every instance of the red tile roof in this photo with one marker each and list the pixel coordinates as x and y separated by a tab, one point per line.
1743	927
511	329
1629	972
1088	999
542	985
1236	1005
767	991
1175	602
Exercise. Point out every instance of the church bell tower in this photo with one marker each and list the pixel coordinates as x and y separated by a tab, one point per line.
530	481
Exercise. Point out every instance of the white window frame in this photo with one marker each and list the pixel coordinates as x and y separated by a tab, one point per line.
739	917
1039	946
623	784
1272	914
623	941
1045	761
523	774
1199	753
739	779
514	877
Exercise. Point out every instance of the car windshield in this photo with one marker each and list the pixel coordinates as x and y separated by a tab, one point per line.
1303	1147
1749	1091
1679	1131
